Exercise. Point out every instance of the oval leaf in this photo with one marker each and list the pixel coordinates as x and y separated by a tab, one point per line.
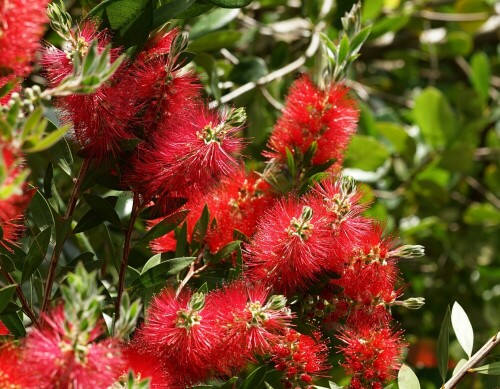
463	328
407	378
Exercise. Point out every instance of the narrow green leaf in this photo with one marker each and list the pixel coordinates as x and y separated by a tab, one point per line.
104	208
212	21
227	250
130	20
47	181
168	11
201	227
152	262
60	154
30	126
480	74
491	369
15	325
407	378
358	40
181	245
343	50
215	41
290	162
463	328
48	140
41	211
6	294
164	227
443	345
198	8
36	253
230	3
7	87
255	378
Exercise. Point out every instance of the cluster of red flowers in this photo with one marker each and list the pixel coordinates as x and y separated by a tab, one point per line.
293	243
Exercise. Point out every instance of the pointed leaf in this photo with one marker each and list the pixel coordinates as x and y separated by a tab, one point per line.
168	11
49	140
407	378
491	368
463	328
14	324
459	365
41	211
6	294
230	3
36	253
255	378
443	345
164	227
103	208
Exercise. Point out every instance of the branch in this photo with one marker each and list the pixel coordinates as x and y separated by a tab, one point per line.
24	302
472	362
291	67
452	17
59	245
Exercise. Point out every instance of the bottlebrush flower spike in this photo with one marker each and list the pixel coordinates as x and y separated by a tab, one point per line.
327	116
301	358
14	195
59	356
3	329
372	355
146	365
22	24
181	330
249	322
192	156
290	247
340	198
12	374
163	92
100	119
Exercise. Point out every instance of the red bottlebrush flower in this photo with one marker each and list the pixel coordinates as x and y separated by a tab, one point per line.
301	358
182	331
340	199
146	365
249	322
290	247
372	355
100	119
12	375
13	206
22	24
328	117
192	156
3	329
162	92
55	360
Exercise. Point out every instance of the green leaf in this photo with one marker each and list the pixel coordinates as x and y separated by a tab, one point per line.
407	378
343	50
459	366
14	324
402	143
157	274
435	117
197	9
255	378
60	154
227	250
7	87
290	162
463	328
164	227
212	21
484	214
41	211
36	253
480	74
443	345
247	70
47	181
358	40
215	41
49	140
152	262
181	245
491	368
130	20
94	217
103	207
169	11
201	228
230	3
365	153
6	294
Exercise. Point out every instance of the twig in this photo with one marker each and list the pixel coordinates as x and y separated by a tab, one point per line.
452	17
481	189
188	276
24	302
126	252
73	199
310	51
472	362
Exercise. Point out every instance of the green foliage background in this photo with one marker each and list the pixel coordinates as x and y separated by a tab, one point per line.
427	149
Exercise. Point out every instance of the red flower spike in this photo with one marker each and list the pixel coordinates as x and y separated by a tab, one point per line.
12	208
192	156
22	24
100	119
52	361
12	375
290	247
182	331
301	358
372	354
328	117
146	365
3	329
250	322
